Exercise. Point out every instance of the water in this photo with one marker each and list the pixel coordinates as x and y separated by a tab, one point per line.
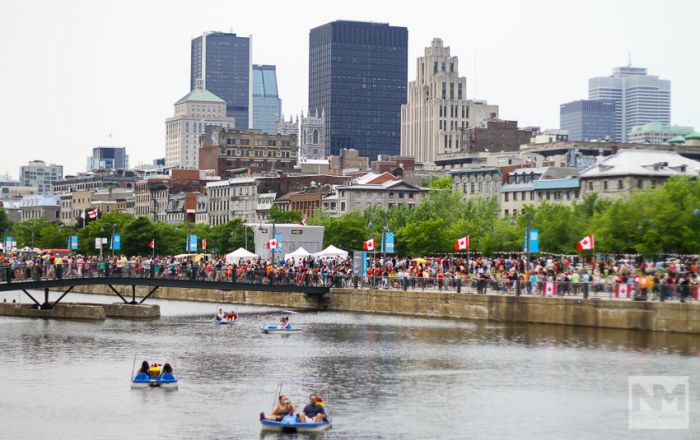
388	377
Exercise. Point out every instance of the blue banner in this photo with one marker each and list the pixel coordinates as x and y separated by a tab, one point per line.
191	243
73	242
534	241
389	242
116	242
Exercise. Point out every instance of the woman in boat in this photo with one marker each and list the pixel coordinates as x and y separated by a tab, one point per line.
219	315
284	323
144	367
167	368
283	407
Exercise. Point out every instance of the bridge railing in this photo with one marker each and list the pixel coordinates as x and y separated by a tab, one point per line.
66	271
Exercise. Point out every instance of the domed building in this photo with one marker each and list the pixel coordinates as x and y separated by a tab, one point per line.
693	139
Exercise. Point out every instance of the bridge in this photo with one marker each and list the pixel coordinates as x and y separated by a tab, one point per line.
23	279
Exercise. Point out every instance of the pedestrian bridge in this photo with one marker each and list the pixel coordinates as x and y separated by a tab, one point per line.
14	280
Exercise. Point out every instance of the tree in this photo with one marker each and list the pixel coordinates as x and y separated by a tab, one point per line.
5	222
276	215
137	236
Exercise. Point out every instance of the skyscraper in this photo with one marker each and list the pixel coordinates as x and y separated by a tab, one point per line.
588	120
267	105
639	98
357	76
223	62
108	158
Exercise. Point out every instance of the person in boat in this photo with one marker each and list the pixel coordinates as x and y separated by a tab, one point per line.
284	323
283	407
219	315
313	412
167	368
231	316
155	370
144	367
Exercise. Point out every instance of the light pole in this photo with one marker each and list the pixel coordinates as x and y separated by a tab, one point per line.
371	237
385	228
189	235
102	232
527	241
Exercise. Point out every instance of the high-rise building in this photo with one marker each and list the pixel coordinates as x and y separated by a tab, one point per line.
438	112
41	176
223	61
267	105
193	113
108	158
357	76
639	98
587	120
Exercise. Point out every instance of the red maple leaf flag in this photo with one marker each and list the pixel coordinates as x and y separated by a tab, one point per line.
152	243
272	243
586	244
369	245
462	243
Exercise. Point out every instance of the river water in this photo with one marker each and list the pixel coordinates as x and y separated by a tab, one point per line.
387	377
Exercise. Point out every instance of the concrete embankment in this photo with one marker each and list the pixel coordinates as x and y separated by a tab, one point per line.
83	311
656	316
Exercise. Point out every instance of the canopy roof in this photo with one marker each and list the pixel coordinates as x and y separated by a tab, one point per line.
239	254
299	253
331	251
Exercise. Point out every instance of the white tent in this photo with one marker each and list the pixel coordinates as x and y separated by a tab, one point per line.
331	251
238	255
299	253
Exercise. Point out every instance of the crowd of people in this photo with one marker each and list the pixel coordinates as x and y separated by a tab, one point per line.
508	274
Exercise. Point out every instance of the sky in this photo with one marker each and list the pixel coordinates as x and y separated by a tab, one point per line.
75	71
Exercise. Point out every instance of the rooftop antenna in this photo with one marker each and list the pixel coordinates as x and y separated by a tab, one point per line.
629	59
110	139
475	95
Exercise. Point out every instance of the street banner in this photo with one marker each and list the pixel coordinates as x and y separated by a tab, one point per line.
191	243
389	242
623	290
98	243
73	242
550	288
116	242
534	241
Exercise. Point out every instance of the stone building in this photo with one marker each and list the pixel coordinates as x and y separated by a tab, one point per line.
41	206
477	182
94	181
308	201
193	113
312	144
533	186
225	150
628	170
231	199
40	175
383	190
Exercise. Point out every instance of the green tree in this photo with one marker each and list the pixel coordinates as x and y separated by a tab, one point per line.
276	215
5	222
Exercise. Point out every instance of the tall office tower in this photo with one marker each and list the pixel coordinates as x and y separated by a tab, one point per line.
437	110
40	175
639	98
588	120
108	158
267	105
357	77
223	61
193	113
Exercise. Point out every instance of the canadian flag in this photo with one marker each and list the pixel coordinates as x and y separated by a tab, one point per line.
586	244
272	244
622	290
92	213
303	222
369	245
204	244
462	243
550	288
152	243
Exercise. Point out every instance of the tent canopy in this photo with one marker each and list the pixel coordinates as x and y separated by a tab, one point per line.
238	255
331	251
299	253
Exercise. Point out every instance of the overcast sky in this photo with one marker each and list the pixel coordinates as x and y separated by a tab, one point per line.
75	71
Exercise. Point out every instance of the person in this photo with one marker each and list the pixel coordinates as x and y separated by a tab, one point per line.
284	323
144	367
283	407
231	316
313	412
167	368
155	370
219	315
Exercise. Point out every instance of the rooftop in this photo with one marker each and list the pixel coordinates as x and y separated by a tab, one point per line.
643	163
200	95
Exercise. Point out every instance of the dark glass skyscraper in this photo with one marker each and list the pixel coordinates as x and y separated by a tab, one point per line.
267	105
358	73
223	61
588	120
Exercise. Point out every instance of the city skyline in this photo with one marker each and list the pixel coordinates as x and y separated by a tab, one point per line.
123	80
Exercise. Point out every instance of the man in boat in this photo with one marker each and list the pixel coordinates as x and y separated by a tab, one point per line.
219	315
231	316
284	323
283	407
313	412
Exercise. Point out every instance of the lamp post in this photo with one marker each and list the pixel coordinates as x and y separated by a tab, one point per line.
385	229
188	246
527	242
102	232
371	237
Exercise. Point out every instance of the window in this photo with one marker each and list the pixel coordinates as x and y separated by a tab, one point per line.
515	196
620	184
640	184
505	212
590	186
532	195
410	195
505	197
605	185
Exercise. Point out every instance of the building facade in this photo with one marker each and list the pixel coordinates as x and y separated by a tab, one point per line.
41	206
231	199
639	98
656	133
40	175
222	61
358	74
588	120
94	181
372	190
437	108
477	182
108	158
312	143
534	186
225	150
267	105
193	113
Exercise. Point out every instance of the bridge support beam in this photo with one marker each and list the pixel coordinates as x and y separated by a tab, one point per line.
32	298
118	294
149	294
47	305
133	295
61	297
